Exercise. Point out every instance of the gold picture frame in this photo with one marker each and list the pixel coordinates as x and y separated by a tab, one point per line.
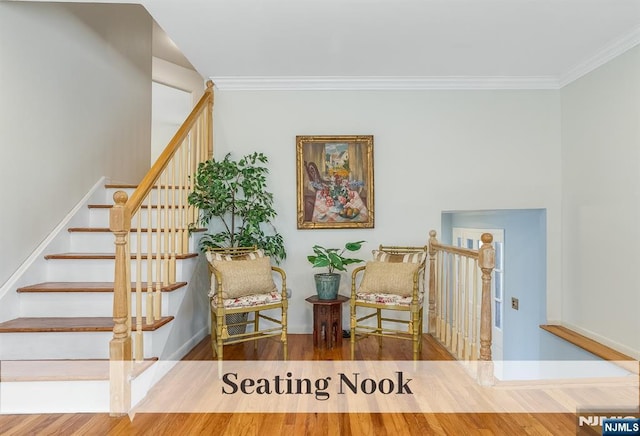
334	181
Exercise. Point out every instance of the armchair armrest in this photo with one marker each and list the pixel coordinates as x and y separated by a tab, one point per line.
416	282
218	277
354	276
283	278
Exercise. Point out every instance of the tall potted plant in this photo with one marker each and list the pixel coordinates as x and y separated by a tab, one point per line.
328	283
234	194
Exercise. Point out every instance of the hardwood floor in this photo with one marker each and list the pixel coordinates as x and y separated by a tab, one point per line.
300	348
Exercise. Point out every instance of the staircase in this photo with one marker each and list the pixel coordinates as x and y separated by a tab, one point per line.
116	294
54	356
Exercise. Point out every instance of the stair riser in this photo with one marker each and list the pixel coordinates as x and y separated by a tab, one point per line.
102	270
72	345
80	304
99	217
90	396
80	396
103	242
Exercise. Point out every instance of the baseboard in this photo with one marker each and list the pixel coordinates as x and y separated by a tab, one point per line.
189	345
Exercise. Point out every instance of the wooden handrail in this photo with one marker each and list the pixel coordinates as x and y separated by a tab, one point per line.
148	181
456	250
172	178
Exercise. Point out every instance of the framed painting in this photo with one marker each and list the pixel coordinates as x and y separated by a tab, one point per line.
334	181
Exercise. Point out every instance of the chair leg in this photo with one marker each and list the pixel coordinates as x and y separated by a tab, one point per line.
379	313
415	334
420	330
256	323
352	325
220	318
283	320
213	333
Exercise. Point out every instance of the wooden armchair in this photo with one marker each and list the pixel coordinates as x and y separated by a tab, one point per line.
242	283
392	281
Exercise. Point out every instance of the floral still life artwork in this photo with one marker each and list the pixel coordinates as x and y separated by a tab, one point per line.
334	181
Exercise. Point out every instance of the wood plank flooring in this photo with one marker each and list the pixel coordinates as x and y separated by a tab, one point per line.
300	348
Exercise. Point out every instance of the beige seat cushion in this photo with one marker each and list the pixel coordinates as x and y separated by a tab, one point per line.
244	277
388	278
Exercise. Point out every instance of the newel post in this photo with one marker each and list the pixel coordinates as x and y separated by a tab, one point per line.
120	345
487	261
432	281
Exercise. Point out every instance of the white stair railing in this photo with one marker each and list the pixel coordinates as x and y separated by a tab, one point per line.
460	302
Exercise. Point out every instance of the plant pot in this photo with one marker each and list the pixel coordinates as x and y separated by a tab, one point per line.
327	285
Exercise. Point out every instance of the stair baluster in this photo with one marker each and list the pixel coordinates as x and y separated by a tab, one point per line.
455	292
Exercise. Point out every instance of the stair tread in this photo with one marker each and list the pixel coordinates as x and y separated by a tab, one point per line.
71	324
109	256
90	287
107	230
63	369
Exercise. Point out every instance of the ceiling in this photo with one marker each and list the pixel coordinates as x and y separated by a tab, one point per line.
381	44
163	47
534	43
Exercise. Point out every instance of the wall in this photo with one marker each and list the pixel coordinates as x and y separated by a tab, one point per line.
601	203
178	77
433	151
524	278
175	91
75	87
169	108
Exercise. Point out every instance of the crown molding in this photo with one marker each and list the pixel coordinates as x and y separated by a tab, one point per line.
607	53
386	83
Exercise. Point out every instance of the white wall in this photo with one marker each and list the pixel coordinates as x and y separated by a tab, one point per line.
75	87
178	77
434	151
176	90
169	108
601	203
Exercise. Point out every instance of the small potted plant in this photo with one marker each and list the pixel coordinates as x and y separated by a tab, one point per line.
327	284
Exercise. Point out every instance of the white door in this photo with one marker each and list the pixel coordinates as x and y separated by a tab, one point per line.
470	238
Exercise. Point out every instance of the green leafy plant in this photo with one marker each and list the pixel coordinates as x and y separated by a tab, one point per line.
332	258
234	194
